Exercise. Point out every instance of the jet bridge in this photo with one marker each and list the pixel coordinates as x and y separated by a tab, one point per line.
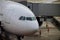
45	9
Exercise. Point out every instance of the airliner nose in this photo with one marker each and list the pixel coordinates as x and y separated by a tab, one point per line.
34	26
31	28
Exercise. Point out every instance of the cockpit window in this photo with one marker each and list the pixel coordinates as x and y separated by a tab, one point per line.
30	18
27	18
22	18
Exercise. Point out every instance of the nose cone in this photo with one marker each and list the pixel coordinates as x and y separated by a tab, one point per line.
34	25
31	28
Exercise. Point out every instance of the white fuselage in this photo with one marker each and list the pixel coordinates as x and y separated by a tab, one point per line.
18	19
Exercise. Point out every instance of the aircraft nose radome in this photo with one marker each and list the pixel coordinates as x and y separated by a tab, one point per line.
31	28
31	31
34	26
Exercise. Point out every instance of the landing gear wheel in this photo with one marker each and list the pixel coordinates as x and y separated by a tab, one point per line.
20	37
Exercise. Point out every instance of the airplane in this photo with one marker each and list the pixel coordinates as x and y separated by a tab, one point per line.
17	18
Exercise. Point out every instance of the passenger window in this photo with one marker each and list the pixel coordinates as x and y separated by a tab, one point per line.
22	18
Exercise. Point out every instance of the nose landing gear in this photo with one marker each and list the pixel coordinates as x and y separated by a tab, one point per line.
20	37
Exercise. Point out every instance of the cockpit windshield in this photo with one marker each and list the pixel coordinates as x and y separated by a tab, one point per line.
27	18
